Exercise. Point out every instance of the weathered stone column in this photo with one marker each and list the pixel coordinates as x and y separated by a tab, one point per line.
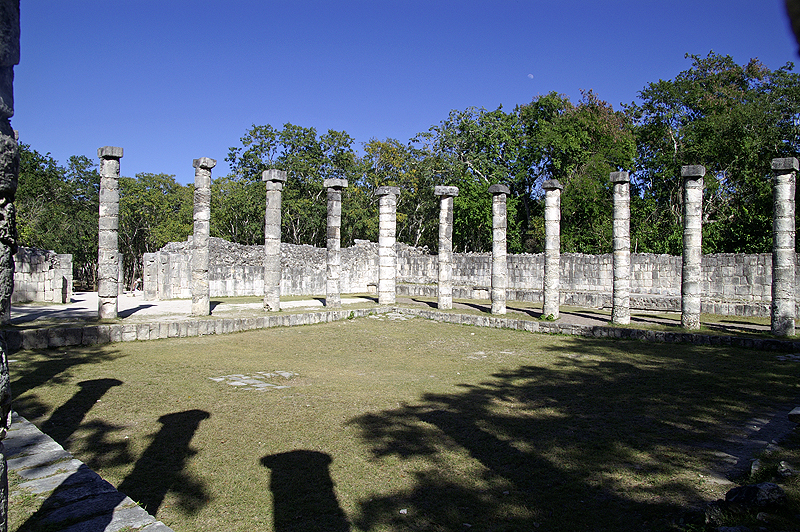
445	288
108	252
692	245
782	310
272	238
333	289
621	310
552	248
387	237
499	259
9	174
201	300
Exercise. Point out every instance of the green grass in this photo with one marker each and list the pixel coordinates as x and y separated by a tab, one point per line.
404	425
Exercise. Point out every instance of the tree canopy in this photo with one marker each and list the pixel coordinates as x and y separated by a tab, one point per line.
731	118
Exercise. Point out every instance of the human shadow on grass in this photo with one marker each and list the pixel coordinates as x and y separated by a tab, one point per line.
588	442
303	492
160	468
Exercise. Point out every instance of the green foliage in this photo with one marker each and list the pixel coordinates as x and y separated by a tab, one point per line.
57	208
733	120
238	210
154	210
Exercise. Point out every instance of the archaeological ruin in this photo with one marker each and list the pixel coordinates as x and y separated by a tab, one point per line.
726	284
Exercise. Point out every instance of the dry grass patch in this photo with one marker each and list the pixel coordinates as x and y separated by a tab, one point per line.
375	424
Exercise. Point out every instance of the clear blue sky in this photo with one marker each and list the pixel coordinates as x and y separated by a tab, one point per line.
174	80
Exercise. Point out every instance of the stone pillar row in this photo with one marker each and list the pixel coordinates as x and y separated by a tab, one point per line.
783	267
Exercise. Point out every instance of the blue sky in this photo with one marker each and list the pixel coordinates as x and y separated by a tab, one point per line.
173	80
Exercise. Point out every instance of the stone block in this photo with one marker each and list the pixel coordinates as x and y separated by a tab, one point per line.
129	332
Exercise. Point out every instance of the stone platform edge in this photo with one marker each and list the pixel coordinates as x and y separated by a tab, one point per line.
191	327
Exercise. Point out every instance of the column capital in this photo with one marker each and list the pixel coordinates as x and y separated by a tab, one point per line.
693	171
109	152
387	191
499	189
786	164
335	183
445	191
205	163
619	177
273	174
552	184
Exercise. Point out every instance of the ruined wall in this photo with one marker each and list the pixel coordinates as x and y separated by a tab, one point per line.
237	270
42	276
731	283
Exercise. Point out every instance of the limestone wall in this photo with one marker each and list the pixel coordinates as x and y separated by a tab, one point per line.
42	276
732	284
237	270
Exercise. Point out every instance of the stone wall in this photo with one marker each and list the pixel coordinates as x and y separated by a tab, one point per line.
42	276
731	283
237	270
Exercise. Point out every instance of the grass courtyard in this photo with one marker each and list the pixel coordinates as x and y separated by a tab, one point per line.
380	424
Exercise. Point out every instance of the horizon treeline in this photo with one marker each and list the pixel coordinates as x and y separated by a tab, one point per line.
733	119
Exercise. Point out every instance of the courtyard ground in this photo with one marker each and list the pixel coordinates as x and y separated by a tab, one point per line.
398	423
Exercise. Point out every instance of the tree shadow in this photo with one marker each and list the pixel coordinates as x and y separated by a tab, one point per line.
588	442
303	492
160	468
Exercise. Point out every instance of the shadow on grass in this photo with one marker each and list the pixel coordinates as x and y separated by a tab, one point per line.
131	311
160	468
590	442
302	490
48	366
66	419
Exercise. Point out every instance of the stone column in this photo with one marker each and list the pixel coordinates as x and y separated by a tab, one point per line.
201	300
621	310
9	174
692	245
552	247
445	289
387	237
499	260
782	309
108	252
272	238
333	289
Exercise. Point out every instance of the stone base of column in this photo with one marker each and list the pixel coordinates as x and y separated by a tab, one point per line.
783	326
107	308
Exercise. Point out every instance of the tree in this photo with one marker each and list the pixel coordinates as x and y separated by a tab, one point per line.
472	150
733	119
580	145
308	159
154	210
57	209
